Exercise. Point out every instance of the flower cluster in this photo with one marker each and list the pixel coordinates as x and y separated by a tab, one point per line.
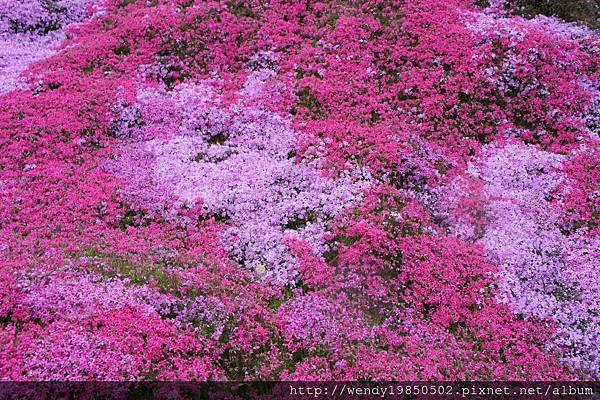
32	30
272	190
545	273
239	162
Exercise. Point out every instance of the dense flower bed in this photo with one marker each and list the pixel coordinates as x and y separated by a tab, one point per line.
383	189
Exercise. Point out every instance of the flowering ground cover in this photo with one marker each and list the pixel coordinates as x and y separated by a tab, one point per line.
315	190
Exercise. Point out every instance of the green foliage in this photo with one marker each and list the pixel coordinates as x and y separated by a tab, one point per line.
309	101
584	11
